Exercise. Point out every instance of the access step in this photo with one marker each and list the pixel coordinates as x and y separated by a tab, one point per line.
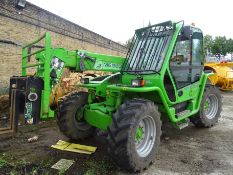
182	113
182	125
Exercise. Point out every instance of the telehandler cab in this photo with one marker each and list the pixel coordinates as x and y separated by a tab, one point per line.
161	78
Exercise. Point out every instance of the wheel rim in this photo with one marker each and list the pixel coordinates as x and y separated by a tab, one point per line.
145	136
211	106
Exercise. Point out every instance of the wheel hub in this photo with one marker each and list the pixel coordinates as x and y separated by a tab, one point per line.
206	105
139	134
79	114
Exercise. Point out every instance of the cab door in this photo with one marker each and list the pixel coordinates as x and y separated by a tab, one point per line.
186	66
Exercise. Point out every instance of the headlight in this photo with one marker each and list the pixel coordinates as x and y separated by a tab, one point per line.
138	83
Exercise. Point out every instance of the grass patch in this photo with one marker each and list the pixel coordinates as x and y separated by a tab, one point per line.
16	166
97	167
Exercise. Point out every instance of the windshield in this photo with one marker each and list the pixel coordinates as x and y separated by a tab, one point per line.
148	49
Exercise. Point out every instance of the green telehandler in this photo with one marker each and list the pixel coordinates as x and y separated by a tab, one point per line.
161	78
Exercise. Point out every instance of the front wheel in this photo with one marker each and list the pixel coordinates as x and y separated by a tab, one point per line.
69	116
134	134
210	109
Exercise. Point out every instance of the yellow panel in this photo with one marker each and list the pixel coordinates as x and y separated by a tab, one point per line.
66	146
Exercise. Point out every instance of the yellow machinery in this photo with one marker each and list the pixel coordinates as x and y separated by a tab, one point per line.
223	74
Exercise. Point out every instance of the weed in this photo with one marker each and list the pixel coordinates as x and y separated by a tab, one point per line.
34	171
46	163
90	172
21	163
13	172
61	172
100	167
3	162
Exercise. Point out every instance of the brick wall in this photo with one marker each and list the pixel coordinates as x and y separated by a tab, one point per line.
20	26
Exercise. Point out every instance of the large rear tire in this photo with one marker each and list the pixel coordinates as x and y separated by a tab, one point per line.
210	109
68	123
134	134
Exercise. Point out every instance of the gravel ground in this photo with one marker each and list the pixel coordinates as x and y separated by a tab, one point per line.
188	151
198	151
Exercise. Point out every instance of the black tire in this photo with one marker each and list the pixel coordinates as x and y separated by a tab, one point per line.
122	134
67	122
205	119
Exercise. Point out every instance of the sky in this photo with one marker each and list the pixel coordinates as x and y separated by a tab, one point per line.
118	19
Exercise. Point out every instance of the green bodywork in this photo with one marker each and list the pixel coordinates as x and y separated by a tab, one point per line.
113	90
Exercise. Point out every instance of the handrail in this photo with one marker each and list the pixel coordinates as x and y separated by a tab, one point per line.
26	52
34	42
38	51
33	65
